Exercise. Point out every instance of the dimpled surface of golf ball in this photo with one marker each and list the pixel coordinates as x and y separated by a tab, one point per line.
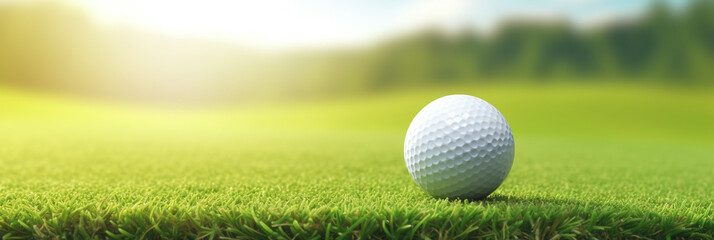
459	146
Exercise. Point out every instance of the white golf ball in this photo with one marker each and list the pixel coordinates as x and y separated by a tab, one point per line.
459	146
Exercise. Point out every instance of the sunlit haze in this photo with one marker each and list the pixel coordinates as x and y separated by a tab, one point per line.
278	24
200	53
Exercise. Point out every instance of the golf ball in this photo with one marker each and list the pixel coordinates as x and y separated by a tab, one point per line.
459	146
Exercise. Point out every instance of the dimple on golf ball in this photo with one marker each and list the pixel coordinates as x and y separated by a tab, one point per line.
459	146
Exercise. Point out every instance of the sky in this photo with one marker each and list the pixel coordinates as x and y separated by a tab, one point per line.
279	24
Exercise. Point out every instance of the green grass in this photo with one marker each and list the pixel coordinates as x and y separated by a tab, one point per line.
591	162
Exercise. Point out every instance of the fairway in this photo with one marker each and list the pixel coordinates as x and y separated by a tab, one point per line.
592	161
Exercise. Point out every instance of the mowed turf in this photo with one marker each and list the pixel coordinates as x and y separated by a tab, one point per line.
592	161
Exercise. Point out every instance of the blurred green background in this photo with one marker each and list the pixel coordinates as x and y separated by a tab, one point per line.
65	47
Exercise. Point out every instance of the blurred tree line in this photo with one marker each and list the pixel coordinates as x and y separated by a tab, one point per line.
663	45
53	46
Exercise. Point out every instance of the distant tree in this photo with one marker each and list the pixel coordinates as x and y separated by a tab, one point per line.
568	50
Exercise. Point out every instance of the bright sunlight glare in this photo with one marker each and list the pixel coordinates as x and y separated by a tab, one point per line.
265	23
